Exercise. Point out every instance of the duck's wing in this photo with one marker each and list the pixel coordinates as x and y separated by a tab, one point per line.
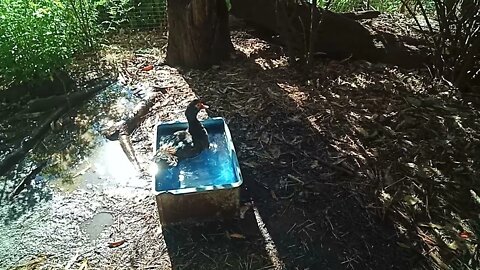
183	136
166	154
173	146
177	138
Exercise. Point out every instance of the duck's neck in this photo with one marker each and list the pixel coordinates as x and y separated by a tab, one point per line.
195	128
193	122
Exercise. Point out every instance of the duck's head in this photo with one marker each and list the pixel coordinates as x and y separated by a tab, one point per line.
193	108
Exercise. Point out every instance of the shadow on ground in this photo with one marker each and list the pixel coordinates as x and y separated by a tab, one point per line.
24	202
317	213
236	244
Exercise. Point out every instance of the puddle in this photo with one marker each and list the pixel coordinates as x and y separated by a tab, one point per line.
96	225
106	168
111	164
84	172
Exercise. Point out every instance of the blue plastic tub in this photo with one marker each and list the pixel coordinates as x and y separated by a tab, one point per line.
200	188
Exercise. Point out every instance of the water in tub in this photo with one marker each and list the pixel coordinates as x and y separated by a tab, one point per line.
214	166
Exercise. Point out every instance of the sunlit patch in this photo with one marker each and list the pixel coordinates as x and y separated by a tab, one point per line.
270	246
294	92
122	105
213	147
153	168
181	178
251	46
267	64
361	81
263	63
110	163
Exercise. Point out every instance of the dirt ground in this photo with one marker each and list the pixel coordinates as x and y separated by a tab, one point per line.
335	165
317	216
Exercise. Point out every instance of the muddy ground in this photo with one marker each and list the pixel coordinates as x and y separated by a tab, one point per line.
328	159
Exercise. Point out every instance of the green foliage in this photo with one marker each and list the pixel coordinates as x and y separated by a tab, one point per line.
39	36
147	13
351	5
113	13
229	4
116	14
389	6
85	17
452	27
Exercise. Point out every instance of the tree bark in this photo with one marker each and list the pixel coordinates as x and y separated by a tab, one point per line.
198	33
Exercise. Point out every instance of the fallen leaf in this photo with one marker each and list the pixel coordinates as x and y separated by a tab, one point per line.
249	164
411	199
475	197
147	68
34	263
362	131
116	244
464	235
293	177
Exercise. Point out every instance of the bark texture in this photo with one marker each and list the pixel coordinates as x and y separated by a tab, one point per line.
198	33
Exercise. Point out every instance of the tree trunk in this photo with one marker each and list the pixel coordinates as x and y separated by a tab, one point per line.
198	33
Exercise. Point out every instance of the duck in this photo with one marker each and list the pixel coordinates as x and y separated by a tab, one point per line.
187	143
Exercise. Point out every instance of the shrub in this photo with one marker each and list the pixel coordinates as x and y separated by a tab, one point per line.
39	36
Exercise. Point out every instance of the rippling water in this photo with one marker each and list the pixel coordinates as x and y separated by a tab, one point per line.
213	166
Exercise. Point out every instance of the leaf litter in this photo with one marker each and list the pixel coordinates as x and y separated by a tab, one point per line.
354	165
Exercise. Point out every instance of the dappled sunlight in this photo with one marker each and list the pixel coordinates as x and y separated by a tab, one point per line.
346	164
251	46
294	93
377	136
287	166
267	64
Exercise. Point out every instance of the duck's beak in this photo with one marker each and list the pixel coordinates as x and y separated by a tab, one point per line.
201	106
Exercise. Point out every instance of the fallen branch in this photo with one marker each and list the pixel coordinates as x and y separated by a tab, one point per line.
16	156
361	15
122	130
42	104
27	144
126	127
132	123
27	180
127	148
337	35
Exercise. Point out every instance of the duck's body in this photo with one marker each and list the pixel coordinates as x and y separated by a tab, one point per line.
185	143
